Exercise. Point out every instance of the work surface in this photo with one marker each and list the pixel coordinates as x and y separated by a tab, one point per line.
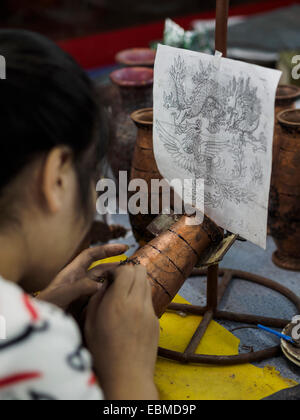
245	297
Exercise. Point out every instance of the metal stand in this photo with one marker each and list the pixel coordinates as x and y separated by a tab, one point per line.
215	293
222	12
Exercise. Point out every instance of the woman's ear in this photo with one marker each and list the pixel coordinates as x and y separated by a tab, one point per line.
58	173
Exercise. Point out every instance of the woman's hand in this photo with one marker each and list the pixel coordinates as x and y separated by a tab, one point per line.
122	333
76	281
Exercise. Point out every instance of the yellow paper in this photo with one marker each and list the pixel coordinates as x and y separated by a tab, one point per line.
176	381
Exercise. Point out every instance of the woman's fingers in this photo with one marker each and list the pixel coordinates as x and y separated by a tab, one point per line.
64	295
123	281
92	308
149	292
142	290
89	256
140	286
95	301
84	287
128	282
100	270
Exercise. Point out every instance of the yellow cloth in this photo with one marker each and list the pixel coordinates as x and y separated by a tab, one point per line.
176	381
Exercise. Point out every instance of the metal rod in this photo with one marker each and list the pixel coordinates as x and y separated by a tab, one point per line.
212	287
230	316
188	357
222	12
201	330
189	309
251	319
221	360
226	279
237	274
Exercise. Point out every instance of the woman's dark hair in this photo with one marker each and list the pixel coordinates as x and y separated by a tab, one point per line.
47	100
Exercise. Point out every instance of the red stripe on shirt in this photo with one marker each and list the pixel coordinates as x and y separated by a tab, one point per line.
33	313
16	379
92	380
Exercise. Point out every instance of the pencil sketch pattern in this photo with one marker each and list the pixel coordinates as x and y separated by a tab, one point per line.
217	125
212	118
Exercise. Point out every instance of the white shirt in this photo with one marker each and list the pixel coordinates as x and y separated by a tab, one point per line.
42	357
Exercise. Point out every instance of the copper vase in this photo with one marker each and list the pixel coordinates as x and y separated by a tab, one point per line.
135	86
286	98
171	257
285	193
141	57
144	167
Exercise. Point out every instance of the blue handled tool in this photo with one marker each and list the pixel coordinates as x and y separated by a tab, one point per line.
283	336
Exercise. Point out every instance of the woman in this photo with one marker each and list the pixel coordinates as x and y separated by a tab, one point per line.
50	127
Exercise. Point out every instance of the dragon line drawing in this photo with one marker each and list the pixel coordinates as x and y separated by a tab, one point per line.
208	117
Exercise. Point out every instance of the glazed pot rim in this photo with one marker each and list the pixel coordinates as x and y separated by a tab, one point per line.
115	77
295	93
122	57
137	116
284	121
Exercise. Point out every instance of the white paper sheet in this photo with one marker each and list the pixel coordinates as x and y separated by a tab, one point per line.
214	120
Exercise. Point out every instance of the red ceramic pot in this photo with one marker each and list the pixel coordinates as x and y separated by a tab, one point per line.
144	57
135	86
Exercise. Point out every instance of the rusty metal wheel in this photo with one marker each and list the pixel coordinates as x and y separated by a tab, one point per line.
215	293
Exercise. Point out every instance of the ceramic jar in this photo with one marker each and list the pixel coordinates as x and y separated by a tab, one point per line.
286	98
141	57
285	193
144	167
135	85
